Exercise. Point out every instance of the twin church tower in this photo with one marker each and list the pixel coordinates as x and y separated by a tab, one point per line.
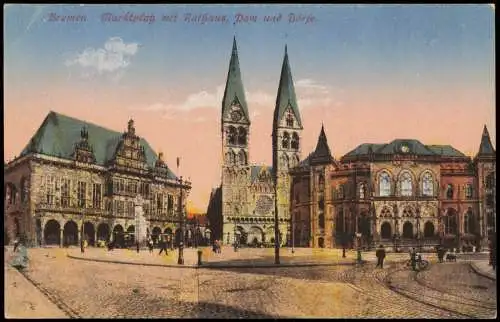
248	190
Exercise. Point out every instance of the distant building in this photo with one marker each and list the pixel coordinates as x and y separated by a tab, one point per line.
247	193
197	230
78	180
400	192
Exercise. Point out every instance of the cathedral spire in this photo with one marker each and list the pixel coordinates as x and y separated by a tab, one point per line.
286	94
486	148
321	154
234	86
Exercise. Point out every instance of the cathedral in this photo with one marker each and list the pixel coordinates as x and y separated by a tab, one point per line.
242	209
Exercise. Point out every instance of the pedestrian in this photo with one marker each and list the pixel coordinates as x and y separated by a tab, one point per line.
137	244
16	243
20	260
380	253
413	259
163	246
214	246
150	245
440	253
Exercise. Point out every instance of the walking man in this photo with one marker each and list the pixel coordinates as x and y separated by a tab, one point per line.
163	246
380	253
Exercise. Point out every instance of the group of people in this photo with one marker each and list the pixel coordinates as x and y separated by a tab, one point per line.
162	243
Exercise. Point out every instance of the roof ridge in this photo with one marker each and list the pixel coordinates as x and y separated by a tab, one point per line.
57	114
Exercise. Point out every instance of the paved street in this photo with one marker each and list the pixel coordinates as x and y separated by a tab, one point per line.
83	288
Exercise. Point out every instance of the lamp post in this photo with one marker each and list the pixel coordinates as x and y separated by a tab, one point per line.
82	246
180	260
419	244
276	228
293	232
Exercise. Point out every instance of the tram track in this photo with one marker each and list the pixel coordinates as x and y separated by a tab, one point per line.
450	303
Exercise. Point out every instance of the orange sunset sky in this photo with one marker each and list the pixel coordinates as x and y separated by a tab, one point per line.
369	74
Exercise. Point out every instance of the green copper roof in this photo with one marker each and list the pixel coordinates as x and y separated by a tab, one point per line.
234	86
486	148
58	135
445	150
286	94
414	147
364	149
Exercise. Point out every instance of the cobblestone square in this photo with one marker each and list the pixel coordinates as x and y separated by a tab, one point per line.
87	288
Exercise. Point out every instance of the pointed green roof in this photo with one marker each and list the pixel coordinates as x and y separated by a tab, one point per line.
59	133
234	86
322	153
486	148
286	94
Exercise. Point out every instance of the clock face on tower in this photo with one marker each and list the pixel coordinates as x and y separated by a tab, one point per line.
236	116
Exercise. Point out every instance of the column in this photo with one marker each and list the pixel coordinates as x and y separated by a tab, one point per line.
61	235
80	236
95	236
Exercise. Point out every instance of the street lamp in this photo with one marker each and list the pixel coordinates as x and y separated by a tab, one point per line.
418	231
180	260
293	232
276	232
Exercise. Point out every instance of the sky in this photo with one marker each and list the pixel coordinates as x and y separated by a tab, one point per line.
369	73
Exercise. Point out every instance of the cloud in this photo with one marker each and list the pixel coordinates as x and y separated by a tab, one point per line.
114	58
310	94
309	85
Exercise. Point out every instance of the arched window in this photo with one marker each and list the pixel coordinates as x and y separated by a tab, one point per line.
468	191
428	229
469	222
362	191
284	161
23	190
341	193
407	230
233	157
384	184
243	157
386	230
295	141
231	135
321	181
289	119
285	143
406	184
489	181
242	136
450	222
449	191
427	185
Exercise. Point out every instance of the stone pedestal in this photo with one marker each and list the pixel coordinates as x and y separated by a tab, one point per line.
141	224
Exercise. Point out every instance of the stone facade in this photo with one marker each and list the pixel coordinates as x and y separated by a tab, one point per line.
400	194
248	201
65	200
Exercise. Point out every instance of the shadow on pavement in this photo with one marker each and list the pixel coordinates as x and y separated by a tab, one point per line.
319	270
212	310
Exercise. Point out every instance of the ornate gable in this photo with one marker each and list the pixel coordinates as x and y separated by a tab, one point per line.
130	154
83	151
